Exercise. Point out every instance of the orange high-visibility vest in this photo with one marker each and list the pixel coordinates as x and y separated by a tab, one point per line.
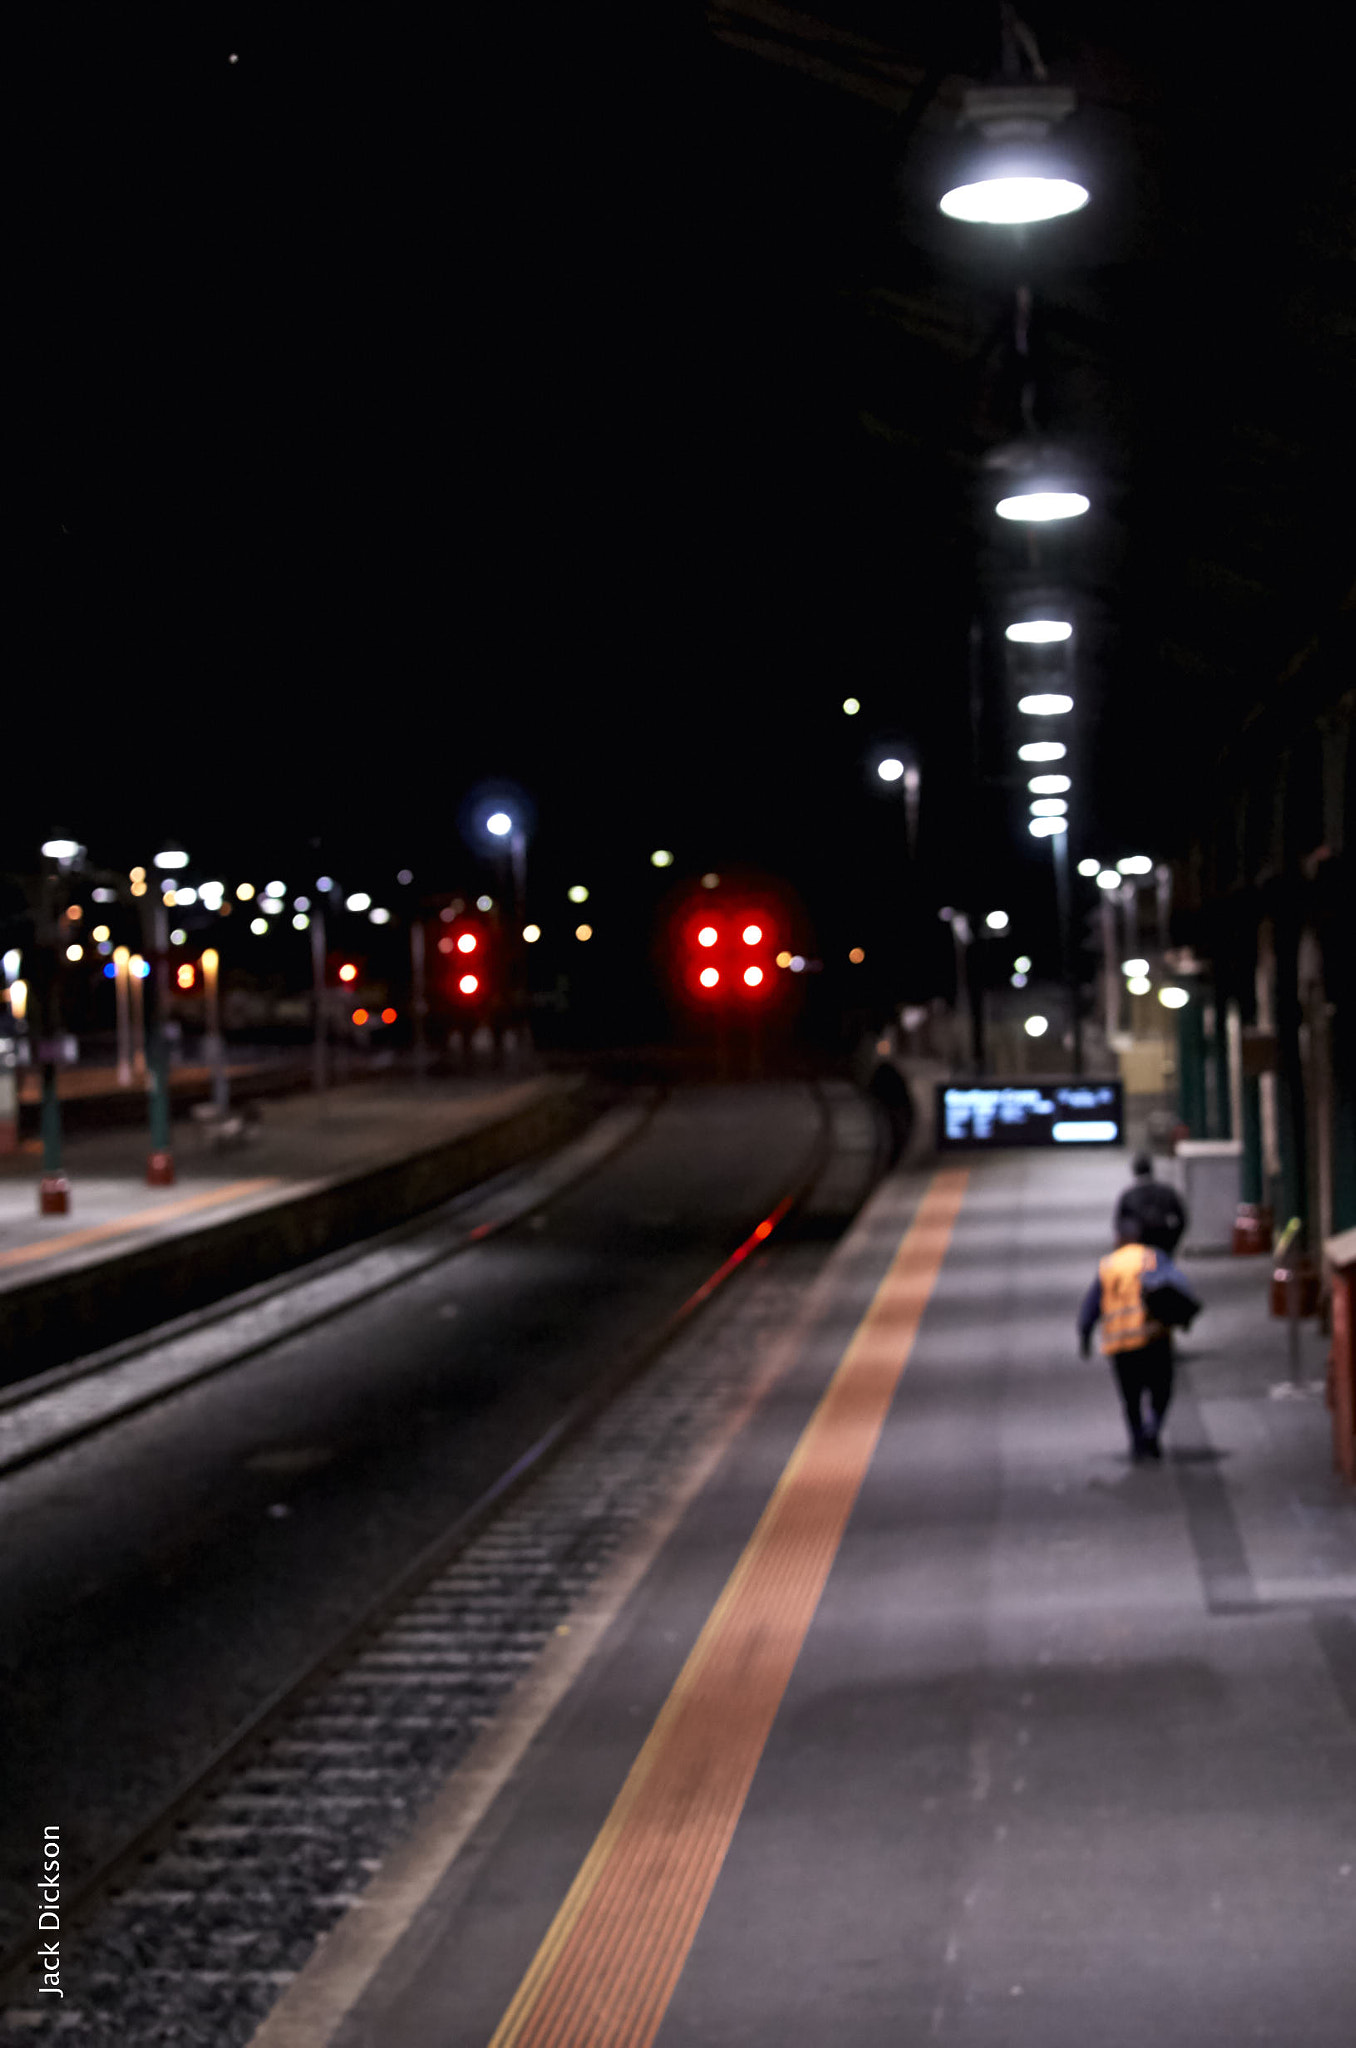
1126	1324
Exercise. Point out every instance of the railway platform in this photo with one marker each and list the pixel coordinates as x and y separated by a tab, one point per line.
921	1714
315	1172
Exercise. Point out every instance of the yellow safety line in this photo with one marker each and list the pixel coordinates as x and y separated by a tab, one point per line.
144	1219
607	1968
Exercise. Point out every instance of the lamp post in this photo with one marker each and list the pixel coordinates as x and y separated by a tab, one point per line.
507	828
216	1047
122	1008
160	1164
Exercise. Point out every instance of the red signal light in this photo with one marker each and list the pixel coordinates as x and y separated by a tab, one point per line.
708	935
185	976
468	984
360	1016
752	934
752	977
709	977
466	943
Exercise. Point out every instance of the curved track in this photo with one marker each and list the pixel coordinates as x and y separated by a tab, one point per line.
188	1570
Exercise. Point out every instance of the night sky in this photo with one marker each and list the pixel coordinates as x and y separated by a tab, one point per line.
453	401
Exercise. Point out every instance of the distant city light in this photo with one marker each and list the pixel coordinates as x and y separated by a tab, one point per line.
300	921
856	956
710	881
1023	963
360	1016
752	933
348	972
61	849
141	968
1139	985
1047	828
1135	864
1017	980
324	883
258	925
179	937
890	770
301	903
997	920
167	897
379	916
797	963
184	977
499	822
1107	878
1049	785
1173	998
583	931
211	893
171	857
752	976
1089	867
101	931
245	892
1036	1027
359	900
1042	750
708	977
1134	968
1038	507
466	942
275	889
75	952
661	858
1038	632
852	705
110	971
484	903
405	877
105	895
578	893
531	934
388	1016
468	984
783	959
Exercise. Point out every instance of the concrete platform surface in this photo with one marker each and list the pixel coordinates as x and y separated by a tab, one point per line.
933	1718
299	1139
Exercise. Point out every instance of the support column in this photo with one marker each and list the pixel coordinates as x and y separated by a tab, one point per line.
1191	1063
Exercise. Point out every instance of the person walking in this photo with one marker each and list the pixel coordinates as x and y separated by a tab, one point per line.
1150	1210
1138	1296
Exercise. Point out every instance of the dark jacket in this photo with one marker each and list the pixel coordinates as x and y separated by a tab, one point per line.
1152	1213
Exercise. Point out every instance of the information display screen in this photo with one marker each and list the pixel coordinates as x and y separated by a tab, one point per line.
989	1114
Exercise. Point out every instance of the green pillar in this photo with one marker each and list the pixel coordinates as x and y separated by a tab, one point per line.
1219	1062
51	1119
1291	1126
1191	1065
158	1090
1344	1112
1250	1173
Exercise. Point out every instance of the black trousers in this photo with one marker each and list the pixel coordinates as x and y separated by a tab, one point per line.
1146	1371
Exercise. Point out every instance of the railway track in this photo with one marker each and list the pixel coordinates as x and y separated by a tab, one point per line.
192	1928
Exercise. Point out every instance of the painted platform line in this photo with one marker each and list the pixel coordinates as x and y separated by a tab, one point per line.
605	1973
143	1219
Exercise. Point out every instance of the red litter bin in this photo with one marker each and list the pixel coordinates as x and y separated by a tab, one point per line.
1252	1229
1339	1256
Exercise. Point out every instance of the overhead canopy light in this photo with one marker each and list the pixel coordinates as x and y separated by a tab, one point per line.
1045	704
1033	482
1039	632
1015	175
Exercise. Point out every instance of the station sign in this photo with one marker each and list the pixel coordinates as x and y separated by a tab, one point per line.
994	1116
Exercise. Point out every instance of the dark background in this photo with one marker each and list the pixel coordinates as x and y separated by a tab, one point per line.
558	398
